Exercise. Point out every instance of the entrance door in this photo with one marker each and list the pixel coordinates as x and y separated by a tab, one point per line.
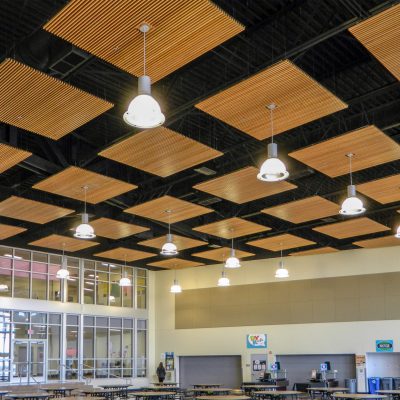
29	361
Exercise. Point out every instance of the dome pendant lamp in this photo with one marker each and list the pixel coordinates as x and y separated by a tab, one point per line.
143	110
232	262
176	287
272	169
397	234
352	205
281	272
84	230
63	272
125	281
169	247
224	280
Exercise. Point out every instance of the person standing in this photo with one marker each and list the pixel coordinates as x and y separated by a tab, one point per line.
161	372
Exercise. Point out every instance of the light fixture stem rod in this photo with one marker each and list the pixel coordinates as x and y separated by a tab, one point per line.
351	170
281	252
84	207
169	224
144	53
272	125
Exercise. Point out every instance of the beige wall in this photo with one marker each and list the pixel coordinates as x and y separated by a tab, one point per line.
340	337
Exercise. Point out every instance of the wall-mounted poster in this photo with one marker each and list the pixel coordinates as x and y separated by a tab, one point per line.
256	341
169	361
384	346
259	365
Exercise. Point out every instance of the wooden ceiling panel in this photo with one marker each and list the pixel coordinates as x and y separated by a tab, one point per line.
284	242
39	103
385	190
242	186
380	35
7	231
385	241
122	253
303	210
351	228
70	181
160	151
369	145
175	263
231	228
181	242
244	104
320	250
180	31
10	156
221	254
113	229
180	209
31	210
58	242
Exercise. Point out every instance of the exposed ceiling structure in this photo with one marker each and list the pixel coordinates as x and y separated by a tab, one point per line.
336	84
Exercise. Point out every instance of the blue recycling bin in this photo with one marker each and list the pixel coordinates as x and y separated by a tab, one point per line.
373	384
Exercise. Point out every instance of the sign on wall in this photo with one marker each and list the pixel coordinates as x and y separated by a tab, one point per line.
384	346
256	341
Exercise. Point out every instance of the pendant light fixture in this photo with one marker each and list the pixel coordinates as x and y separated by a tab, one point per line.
272	169
63	272
3	287
125	281
176	287
169	247
143	110
281	272
397	234
224	280
352	205
84	230
232	261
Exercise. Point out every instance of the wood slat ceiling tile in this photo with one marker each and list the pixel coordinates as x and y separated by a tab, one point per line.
320	250
175	263
369	145
113	229
31	210
57	242
180	31
122	253
221	254
303	210
284	242
39	103
70	181
10	156
351	228
7	231
244	104
380	35
181	242
385	241
231	228
242	186
180	209
160	151
385	190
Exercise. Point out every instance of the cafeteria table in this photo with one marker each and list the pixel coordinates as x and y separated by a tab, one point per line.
165	384
394	394
28	396
2	394
153	395
212	391
59	391
253	388
79	398
207	385
228	397
280	394
359	396
166	388
99	392
326	392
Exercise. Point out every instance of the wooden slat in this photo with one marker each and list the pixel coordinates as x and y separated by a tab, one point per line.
7	231
300	99
39	103
11	156
70	181
113	229
351	228
175	263
303	210
57	241
122	253
380	35
320	250
231	228
221	254
180	31
384	190
385	241
180	209
31	210
242	186
369	145
181	242
284	242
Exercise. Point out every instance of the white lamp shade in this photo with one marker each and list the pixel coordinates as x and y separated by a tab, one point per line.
169	248
3	288
352	206
282	272
272	170
397	235
125	281
84	231
176	287
111	298
144	112
62	273
224	280
232	262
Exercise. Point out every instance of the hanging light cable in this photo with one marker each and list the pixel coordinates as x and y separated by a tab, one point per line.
63	272
281	272
125	281
169	247
272	169
232	261
84	230
352	205
143	110
176	287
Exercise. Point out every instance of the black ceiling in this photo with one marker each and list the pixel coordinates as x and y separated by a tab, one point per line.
313	34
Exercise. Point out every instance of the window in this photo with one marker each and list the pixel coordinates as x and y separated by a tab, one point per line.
5	343
141	354
141	288
72	340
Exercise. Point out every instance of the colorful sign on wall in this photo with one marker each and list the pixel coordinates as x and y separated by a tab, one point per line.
384	346
256	341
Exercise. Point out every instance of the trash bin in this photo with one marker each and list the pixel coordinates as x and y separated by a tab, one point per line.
387	383
373	384
351	384
396	383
